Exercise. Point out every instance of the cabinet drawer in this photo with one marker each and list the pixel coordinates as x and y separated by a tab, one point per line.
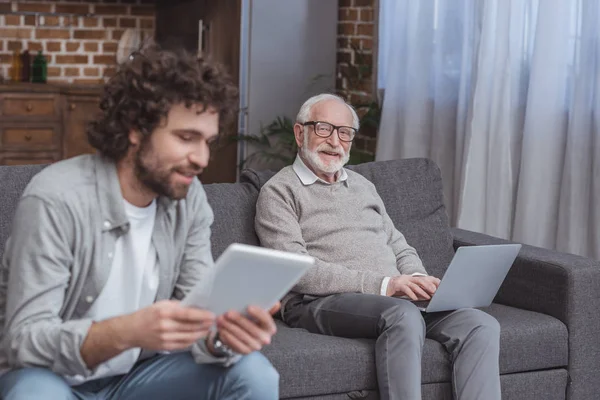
39	106
28	158
23	137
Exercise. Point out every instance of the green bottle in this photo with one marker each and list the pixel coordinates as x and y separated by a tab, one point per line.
39	70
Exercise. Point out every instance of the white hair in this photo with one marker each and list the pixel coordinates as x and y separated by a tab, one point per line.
306	109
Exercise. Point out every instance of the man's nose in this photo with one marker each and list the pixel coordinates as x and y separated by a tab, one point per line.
334	139
200	156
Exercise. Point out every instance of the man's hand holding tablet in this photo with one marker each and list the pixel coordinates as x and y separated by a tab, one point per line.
244	334
249	281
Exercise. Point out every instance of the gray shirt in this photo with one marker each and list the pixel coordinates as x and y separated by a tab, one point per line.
58	259
344	225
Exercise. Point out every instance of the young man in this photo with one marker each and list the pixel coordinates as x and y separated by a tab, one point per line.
103	246
364	265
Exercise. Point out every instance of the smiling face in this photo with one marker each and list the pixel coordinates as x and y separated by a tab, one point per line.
325	156
166	162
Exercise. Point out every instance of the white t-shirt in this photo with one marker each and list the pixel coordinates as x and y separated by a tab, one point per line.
131	285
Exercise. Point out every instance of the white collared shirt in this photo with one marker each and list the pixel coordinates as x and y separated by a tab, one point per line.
307	177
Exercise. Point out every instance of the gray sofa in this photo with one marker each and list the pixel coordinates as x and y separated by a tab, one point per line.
547	307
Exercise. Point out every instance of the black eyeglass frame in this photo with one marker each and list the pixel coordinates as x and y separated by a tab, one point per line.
334	128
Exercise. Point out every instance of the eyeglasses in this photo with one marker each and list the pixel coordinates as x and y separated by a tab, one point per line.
325	129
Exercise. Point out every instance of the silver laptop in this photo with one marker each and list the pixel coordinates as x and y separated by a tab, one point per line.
473	278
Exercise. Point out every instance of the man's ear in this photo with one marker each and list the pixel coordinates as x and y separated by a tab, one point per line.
135	138
299	134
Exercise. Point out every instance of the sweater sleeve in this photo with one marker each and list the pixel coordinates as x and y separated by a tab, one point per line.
277	227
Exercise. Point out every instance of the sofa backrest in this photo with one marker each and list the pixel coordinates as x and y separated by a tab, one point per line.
234	207
13	180
411	190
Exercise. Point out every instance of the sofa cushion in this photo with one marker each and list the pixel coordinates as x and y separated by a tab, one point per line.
234	206
411	190
13	180
311	364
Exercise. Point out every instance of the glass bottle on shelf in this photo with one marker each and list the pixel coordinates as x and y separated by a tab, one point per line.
15	70
25	66
39	70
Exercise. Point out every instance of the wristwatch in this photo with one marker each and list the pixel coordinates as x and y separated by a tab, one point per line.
220	349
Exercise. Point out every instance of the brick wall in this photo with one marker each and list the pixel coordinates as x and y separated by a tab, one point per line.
356	50
78	38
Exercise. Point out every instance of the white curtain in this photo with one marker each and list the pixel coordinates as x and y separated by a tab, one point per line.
504	96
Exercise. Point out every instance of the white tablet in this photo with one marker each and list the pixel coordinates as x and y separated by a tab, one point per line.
250	275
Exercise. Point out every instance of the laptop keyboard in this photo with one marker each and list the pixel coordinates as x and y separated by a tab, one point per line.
421	303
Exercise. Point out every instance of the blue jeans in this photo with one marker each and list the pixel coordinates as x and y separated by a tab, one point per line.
173	377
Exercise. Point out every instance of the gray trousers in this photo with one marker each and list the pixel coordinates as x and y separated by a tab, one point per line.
471	337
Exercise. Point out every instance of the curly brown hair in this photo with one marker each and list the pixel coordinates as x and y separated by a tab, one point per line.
144	89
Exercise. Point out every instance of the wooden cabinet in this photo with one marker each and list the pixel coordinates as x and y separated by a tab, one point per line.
77	112
44	123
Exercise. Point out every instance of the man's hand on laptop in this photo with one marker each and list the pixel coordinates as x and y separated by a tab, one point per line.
413	287
246	334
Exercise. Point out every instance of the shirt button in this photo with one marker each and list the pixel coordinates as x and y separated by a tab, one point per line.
89	299
106	224
110	255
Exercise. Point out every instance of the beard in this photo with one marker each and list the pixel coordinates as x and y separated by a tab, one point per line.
148	170
312	156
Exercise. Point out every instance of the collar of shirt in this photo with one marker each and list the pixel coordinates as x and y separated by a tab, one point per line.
307	177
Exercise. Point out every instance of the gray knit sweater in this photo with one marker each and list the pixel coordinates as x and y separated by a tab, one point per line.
343	225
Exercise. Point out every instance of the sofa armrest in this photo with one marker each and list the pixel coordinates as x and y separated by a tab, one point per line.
564	286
